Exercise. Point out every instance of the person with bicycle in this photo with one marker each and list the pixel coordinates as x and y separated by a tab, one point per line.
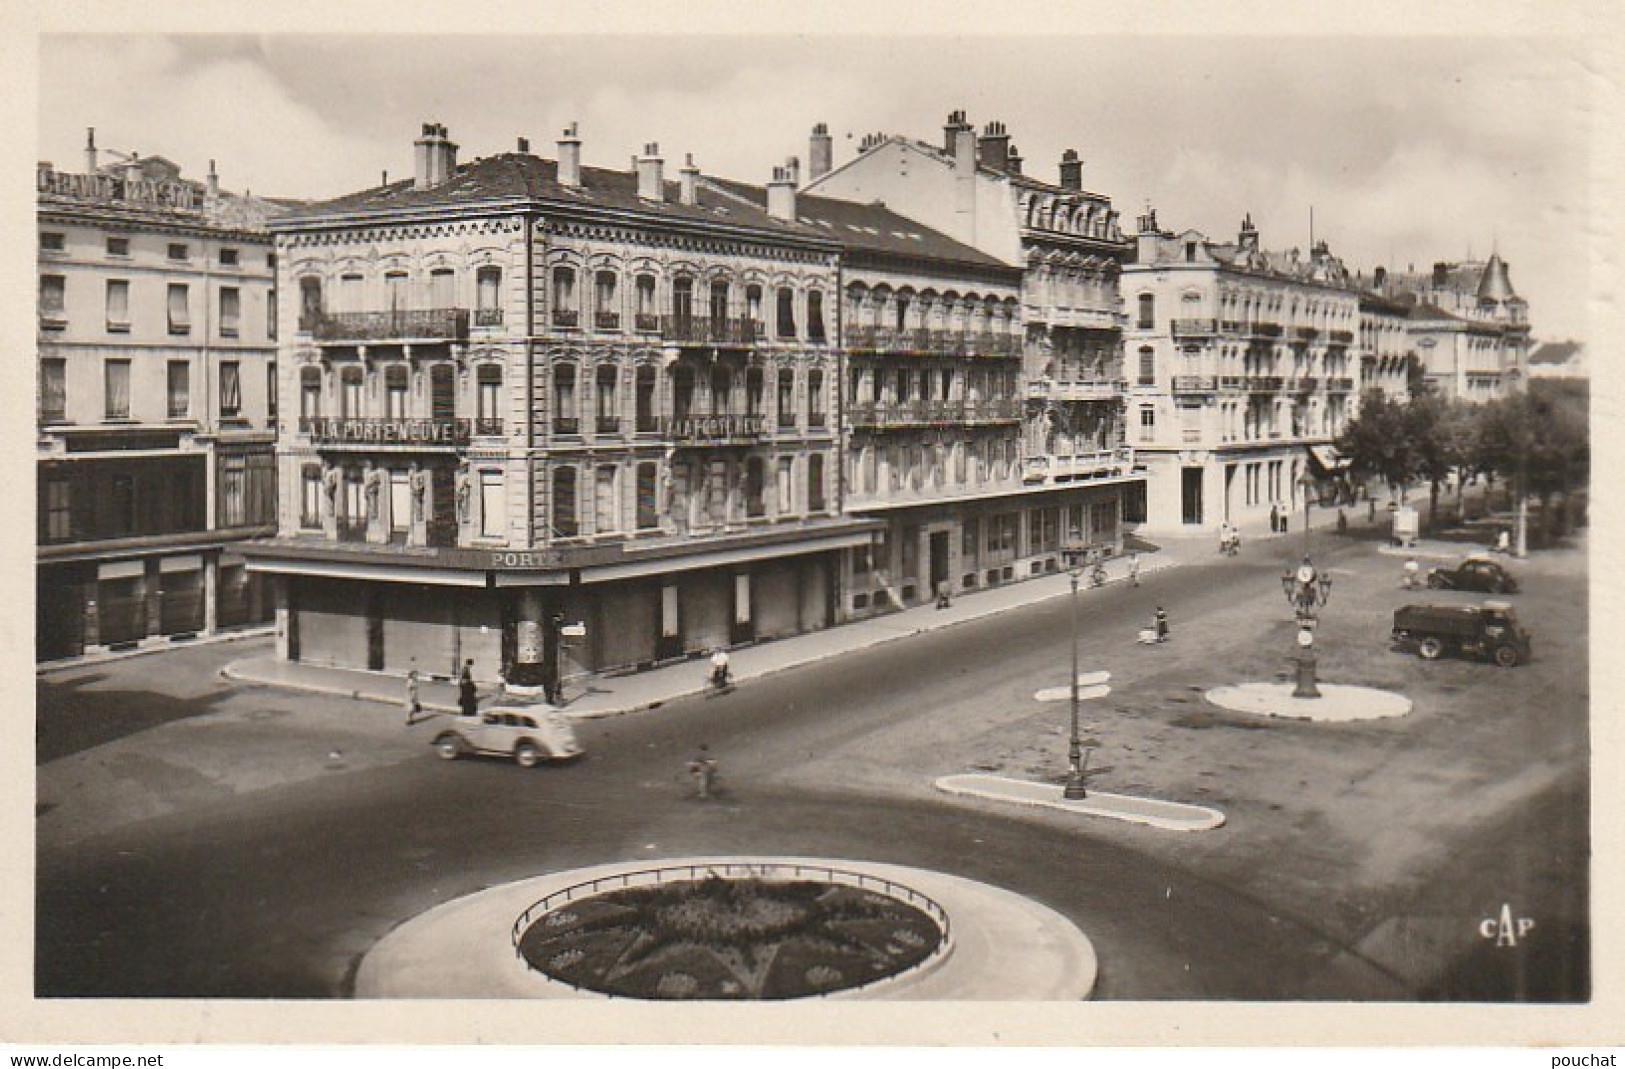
703	768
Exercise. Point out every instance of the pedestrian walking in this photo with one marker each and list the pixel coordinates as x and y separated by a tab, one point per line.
944	598
1160	625
1342	522
1134	568
468	696
413	707
704	770
1275	519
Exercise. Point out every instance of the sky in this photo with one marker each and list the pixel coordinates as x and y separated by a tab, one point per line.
1405	149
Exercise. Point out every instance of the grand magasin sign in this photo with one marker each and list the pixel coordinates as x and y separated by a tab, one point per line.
326	430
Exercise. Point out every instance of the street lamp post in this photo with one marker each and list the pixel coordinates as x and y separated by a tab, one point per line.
1074	752
1306	591
1306	483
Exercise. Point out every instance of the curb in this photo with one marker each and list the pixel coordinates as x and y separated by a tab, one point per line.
1181	816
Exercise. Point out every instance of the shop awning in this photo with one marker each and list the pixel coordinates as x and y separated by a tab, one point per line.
1328	459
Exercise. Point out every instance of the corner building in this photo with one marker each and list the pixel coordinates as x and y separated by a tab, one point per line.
156	405
522	392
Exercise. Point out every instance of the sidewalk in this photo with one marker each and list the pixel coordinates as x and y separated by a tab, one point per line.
614	695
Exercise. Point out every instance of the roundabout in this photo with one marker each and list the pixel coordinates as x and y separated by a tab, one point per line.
1337	703
735	928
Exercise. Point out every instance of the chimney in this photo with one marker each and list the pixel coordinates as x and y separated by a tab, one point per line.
950	131
90	150
993	147
964	153
570	157
212	184
522	146
820	152
781	195
1071	170
436	157
688	189
651	180
1012	162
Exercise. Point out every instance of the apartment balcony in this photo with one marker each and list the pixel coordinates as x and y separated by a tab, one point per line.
1076	318
1074	467
424	324
570	425
1264	383
1307	333
1263	330
1308	384
1339	385
487	317
607	425
1194	384
1194	328
721	430
1340	337
566	318
415	433
694	330
1076	389
1232	383
1007	410
606	321
932	342
645	322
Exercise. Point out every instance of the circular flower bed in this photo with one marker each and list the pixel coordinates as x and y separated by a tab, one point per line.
722	938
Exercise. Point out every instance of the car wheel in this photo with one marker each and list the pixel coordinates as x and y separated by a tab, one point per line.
1435	582
527	755
449	748
1430	649
1506	656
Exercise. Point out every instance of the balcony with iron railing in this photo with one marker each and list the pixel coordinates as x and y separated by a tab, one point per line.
566	318
1194	384
1307	333
1060	468
1076	389
932	342
423	324
645	322
487	317
415	433
1194	328
723	429
1308	383
1340	337
1262	329
606	321
697	330
1232	382
1264	383
1339	385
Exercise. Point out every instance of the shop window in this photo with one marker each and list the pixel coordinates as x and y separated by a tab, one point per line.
231	308
233	491
53	389
118	306
179	389
117	389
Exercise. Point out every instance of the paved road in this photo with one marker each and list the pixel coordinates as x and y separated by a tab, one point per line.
277	892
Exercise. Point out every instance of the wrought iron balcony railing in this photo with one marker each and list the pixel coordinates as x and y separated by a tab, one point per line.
695	330
435	324
1194	328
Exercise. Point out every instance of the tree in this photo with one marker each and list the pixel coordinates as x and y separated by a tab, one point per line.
1442	433
1538	440
1378	443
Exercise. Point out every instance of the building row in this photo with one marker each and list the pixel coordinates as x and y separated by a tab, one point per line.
432	421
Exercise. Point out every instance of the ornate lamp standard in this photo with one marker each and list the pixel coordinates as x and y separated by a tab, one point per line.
1074	751
1306	591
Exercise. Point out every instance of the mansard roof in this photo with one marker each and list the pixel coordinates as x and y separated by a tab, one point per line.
513	178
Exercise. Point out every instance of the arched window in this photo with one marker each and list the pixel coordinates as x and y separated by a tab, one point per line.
682	301
565	523
606	301
1148	365
786	318
1148	310
647	318
565	417
609	401
565	312
753	307
719	302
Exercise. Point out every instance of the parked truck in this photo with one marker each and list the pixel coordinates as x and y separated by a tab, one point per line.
1489	630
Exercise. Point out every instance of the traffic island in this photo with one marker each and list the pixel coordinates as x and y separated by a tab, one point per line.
903	933
1336	703
1169	816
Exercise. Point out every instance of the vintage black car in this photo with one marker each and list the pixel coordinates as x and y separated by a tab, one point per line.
1489	630
1474	573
